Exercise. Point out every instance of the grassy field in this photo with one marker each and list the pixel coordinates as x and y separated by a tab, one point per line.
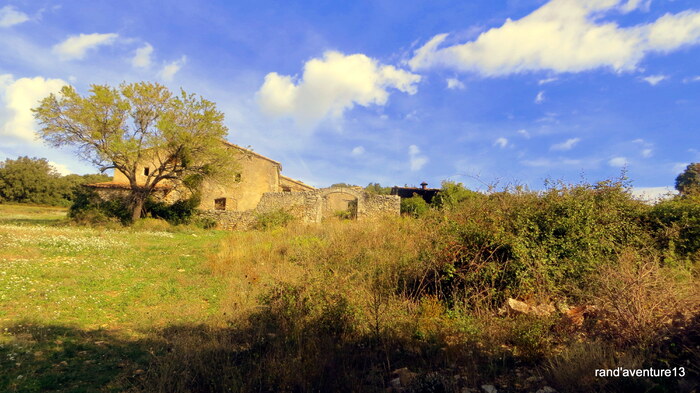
399	304
76	303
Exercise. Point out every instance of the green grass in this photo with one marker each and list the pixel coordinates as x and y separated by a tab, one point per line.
63	289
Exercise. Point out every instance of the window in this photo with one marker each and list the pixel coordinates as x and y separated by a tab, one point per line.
146	171
286	189
220	204
238	177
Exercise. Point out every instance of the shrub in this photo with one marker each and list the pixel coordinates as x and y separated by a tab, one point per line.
178	213
414	206
273	219
675	225
89	208
151	224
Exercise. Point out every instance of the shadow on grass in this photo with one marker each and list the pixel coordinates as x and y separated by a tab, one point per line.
34	221
273	352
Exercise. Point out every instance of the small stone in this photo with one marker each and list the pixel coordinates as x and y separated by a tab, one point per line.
490	388
517	306
547	389
395	383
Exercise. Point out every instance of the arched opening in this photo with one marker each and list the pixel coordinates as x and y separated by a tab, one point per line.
340	205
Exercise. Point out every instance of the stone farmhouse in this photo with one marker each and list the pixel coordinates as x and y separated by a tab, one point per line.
259	187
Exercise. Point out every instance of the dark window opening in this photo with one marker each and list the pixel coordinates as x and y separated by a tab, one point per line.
286	189
146	171
220	204
238	177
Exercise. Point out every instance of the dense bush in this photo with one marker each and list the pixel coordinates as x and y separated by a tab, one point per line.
414	206
676	226
90	209
273	219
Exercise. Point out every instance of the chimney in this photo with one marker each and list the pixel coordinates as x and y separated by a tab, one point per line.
424	185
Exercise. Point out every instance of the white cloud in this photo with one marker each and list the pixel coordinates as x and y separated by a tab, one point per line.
18	98
646	153
540	97
9	16
501	142
563	36
618	162
567	145
545	162
358	151
547	80
142	59
169	70
60	168
331	85
654	79
76	46
453	83
524	133
691	79
416	160
653	194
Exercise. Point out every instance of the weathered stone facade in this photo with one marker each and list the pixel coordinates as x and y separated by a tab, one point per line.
312	206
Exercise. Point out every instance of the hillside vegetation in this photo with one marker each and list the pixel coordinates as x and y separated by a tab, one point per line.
411	304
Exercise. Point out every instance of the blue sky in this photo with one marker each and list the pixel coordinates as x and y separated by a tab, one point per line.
396	92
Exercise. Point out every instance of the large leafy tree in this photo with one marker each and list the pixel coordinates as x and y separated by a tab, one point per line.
29	180
121	128
688	182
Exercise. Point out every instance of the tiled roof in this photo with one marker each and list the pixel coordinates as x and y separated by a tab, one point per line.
289	179
248	151
123	186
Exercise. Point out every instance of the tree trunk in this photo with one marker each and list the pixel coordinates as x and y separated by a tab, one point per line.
137	203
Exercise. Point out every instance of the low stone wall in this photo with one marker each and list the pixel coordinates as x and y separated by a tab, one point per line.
308	206
230	220
382	205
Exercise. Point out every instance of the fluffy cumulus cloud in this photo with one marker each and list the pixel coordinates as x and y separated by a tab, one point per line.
75	47
416	159
62	169
142	59
618	162
18	98
9	16
169	70
566	145
331	85
564	36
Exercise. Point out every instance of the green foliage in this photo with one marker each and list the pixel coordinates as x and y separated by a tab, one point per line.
688	182
273	219
181	135
451	194
34	180
30	180
346	185
414	206
181	212
515	243
376	188
89	208
676	226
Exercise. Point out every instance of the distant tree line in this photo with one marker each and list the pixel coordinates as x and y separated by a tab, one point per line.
35	181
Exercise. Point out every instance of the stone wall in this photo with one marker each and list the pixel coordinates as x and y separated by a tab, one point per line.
230	220
310	206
